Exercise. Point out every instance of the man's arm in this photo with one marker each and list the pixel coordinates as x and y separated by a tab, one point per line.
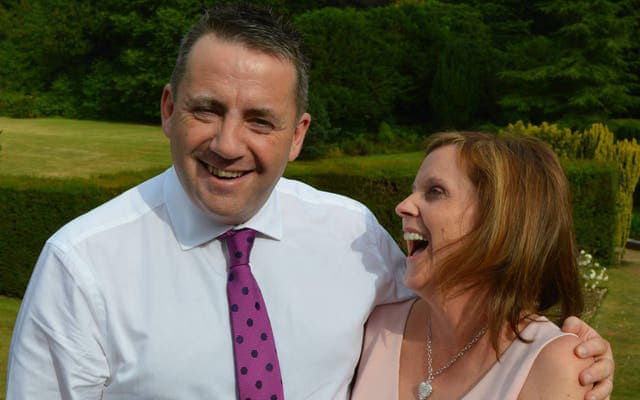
55	350
593	345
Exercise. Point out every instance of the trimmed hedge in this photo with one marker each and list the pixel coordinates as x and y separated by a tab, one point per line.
594	191
596	143
33	209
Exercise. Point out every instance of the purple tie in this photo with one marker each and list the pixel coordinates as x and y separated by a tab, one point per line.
257	368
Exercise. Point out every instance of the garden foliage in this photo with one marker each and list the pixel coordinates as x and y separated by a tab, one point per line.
33	209
596	143
434	64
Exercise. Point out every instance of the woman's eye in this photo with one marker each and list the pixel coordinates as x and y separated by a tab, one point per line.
435	191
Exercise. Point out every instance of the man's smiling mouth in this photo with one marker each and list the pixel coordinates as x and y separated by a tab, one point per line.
222	173
415	242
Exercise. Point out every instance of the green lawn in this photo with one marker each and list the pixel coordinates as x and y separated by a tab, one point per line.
56	147
618	319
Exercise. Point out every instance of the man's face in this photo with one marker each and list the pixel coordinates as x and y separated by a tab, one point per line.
232	126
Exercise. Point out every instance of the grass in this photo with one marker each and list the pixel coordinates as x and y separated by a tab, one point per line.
61	148
57	147
618	320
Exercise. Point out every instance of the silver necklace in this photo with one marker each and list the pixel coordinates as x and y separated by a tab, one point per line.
425	389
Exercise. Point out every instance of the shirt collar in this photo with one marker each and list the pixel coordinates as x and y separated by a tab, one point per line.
193	227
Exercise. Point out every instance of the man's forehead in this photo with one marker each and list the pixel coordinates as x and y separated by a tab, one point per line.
211	52
239	44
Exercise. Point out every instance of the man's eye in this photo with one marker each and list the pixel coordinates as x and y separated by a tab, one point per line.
204	113
261	123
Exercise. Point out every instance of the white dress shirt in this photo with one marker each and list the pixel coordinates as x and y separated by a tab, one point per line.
129	300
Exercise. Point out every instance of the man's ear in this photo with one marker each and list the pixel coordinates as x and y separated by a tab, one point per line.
166	109
298	136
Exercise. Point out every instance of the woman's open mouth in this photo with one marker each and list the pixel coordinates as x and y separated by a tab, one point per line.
416	243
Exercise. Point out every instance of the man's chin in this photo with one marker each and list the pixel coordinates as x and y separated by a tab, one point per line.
228	212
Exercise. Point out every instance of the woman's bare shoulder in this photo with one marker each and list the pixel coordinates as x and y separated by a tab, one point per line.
554	374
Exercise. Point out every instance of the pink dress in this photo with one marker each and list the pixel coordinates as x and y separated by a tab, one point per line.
377	376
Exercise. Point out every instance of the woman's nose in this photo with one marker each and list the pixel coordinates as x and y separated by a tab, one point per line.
406	207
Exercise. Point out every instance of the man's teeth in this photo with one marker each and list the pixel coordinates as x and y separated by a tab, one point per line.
223	174
413	236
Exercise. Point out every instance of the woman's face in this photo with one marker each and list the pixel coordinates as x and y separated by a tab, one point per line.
439	212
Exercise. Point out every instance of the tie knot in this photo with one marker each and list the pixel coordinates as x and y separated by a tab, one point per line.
239	244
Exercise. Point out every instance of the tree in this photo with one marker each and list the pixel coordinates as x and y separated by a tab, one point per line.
573	66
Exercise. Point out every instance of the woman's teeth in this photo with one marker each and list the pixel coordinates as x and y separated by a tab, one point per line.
413	236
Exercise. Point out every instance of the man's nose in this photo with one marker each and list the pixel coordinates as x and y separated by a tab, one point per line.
228	139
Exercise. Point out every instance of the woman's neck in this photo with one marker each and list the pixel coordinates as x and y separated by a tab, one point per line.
454	320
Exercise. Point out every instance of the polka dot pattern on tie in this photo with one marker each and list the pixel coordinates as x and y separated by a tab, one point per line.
257	369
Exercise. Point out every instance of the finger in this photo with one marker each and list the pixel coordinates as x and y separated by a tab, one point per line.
599	371
594	347
578	327
602	391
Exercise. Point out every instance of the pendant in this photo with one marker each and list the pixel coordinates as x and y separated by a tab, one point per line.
424	390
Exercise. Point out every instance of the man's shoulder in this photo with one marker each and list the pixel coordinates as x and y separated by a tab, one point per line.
125	208
310	195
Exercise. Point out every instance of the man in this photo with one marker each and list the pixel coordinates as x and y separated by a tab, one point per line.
130	300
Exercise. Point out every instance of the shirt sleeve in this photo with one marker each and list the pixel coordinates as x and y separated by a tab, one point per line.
391	260
57	346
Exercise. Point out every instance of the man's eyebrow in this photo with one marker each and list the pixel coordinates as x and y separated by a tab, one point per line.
260	112
204	101
265	113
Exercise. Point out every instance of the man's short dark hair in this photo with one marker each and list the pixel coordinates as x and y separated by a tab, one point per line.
257	28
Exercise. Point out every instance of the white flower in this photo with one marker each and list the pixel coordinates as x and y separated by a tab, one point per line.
592	273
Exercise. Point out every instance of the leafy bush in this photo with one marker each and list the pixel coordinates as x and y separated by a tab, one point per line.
625	128
322	136
357	61
625	156
562	140
18	105
635	226
357	146
594	187
33	209
596	143
416	64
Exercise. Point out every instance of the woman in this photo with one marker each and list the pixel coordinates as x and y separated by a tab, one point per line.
491	250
